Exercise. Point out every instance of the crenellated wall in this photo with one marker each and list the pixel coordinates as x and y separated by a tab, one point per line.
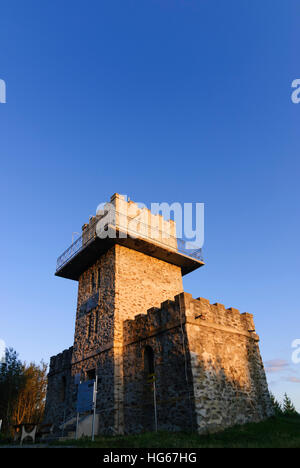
161	330
217	372
208	371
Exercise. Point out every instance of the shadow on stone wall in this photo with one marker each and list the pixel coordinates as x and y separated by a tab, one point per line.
224	396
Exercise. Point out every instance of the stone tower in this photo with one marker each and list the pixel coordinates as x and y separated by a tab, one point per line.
118	278
129	266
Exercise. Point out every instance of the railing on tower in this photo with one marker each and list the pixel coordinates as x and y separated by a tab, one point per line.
131	227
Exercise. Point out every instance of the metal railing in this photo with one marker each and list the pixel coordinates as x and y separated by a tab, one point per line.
130	227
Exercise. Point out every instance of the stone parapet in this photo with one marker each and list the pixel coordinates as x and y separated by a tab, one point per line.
186	309
61	361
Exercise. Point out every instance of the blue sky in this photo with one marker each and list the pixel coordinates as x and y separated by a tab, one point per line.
164	101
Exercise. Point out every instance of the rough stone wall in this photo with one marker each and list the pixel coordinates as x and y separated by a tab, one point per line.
103	362
229	379
94	325
59	396
208	368
162	330
130	282
219	367
58	410
94	335
141	282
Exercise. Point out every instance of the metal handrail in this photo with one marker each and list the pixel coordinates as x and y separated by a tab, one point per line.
89	234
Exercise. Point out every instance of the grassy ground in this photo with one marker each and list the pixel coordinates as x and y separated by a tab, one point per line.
277	432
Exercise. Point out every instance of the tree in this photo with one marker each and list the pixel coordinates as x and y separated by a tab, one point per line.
22	391
276	405
30	403
288	407
11	381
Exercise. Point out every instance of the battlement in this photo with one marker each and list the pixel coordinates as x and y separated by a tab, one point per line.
124	222
61	361
201	309
185	309
133	219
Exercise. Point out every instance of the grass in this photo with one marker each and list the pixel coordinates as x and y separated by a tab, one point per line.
276	432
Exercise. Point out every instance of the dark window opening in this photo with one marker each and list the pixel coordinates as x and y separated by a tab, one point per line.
149	360
96	322
98	279
91	374
89	325
93	282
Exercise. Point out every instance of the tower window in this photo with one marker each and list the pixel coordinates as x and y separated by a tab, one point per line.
91	374
96	322
149	360
89	325
98	279
93	282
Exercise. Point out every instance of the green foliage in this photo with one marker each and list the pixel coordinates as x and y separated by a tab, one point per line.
276	405
22	391
288	407
276	432
11	382
29	406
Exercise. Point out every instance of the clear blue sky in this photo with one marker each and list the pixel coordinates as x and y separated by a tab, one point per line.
163	101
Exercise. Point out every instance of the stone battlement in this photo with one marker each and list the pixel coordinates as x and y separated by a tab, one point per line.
61	361
185	309
135	220
201	309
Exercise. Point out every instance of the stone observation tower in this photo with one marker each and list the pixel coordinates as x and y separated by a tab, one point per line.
133	319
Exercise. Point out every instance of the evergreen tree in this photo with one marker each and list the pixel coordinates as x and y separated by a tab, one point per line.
276	405
11	382
288	407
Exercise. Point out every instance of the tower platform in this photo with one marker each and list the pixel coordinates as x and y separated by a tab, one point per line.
122	222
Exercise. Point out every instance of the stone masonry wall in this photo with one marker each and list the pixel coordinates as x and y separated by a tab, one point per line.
221	362
129	282
141	282
94	335
208	369
103	362
59	396
229	379
94	327
162	329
